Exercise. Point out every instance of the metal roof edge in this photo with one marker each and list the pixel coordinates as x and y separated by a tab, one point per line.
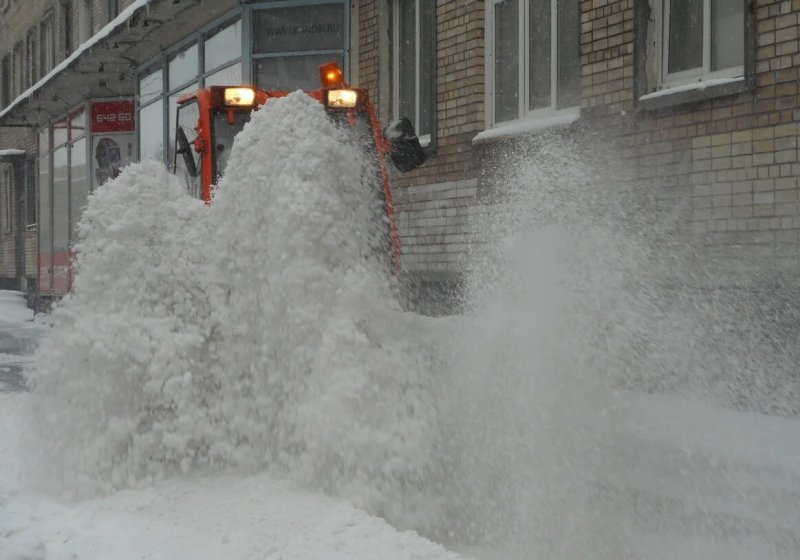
109	28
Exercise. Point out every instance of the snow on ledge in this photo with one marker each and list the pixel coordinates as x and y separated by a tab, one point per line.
123	16
11	152
529	125
697	86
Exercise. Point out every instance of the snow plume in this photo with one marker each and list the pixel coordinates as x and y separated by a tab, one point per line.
583	301
258	332
321	378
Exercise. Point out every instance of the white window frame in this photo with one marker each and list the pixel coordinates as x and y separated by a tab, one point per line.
694	75
425	139
523	112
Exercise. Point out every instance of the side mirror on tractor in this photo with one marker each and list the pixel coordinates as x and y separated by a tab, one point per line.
406	152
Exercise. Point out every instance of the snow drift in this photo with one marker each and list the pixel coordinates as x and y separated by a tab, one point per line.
258	332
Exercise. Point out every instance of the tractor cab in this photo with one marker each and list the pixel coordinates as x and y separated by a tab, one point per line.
209	119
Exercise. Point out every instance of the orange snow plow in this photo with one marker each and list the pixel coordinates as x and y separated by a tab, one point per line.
209	119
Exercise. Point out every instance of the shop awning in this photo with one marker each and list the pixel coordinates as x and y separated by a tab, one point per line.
102	67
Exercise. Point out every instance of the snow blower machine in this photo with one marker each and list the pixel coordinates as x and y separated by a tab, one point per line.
209	119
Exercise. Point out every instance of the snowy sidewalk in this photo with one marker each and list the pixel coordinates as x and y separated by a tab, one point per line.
232	517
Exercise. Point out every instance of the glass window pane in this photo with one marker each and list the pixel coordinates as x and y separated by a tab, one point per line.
78	184
301	28
61	231
60	200
183	67
45	227
173	109
61	132
506	63
427	62
230	76
77	124
151	86
292	72
151	132
44	141
540	53
727	32
30	192
685	35
407	71
569	54
224	46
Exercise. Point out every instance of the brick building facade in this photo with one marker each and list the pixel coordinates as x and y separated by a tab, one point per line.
699	99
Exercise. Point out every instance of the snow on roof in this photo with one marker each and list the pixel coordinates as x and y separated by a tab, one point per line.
123	16
11	152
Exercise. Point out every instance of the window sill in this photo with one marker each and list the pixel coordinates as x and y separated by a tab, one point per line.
31	228
527	126
690	93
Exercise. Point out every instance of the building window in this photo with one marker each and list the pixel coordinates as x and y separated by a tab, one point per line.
19	72
86	21
414	64
160	86
533	66
291	42
5	82
66	27
8	199
30	193
113	9
700	40
46	45
31	56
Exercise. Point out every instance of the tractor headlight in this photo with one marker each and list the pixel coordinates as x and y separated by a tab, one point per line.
342	98
239	96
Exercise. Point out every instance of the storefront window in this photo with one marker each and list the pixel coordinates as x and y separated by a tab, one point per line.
291	43
232	75
223	46
61	132
299	29
77	124
151	131
45	224
61	220
79	183
292	72
151	86
183	67
44	141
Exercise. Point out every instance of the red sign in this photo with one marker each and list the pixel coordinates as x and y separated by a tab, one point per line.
113	116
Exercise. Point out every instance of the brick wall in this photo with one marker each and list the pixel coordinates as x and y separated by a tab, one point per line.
432	202
731	162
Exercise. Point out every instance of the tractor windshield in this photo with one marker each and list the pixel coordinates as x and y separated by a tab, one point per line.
224	132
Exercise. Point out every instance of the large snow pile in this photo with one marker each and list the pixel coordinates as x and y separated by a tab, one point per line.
257	332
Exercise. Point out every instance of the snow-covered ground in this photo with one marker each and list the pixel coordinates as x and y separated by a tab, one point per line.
238	516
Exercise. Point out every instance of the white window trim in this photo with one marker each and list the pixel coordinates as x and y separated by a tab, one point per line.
425	139
528	121
700	75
